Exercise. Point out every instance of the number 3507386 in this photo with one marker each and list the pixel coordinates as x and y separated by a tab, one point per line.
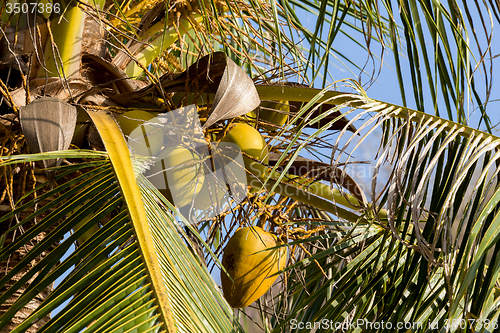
45	8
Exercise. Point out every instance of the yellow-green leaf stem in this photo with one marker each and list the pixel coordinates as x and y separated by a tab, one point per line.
62	51
158	45
317	194
120	159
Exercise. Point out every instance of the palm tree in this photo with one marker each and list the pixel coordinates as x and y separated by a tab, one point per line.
416	247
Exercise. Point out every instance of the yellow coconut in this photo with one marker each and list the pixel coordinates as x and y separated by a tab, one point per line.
178	174
143	131
249	140
250	265
271	112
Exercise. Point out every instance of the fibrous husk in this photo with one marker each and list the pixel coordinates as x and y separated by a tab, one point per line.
48	124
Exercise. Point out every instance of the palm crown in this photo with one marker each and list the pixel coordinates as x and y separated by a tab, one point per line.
417	246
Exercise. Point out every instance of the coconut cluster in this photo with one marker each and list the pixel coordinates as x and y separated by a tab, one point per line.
250	258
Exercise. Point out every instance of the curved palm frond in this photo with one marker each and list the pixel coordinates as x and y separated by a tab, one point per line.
133	273
441	44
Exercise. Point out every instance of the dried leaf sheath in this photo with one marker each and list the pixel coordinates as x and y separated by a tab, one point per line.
48	124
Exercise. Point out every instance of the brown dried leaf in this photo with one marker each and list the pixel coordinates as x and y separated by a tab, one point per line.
235	92
235	96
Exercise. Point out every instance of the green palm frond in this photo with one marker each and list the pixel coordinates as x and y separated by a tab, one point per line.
432	258
437	42
135	273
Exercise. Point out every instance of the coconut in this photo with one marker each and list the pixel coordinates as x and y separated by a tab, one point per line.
251	265
178	174
251	143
